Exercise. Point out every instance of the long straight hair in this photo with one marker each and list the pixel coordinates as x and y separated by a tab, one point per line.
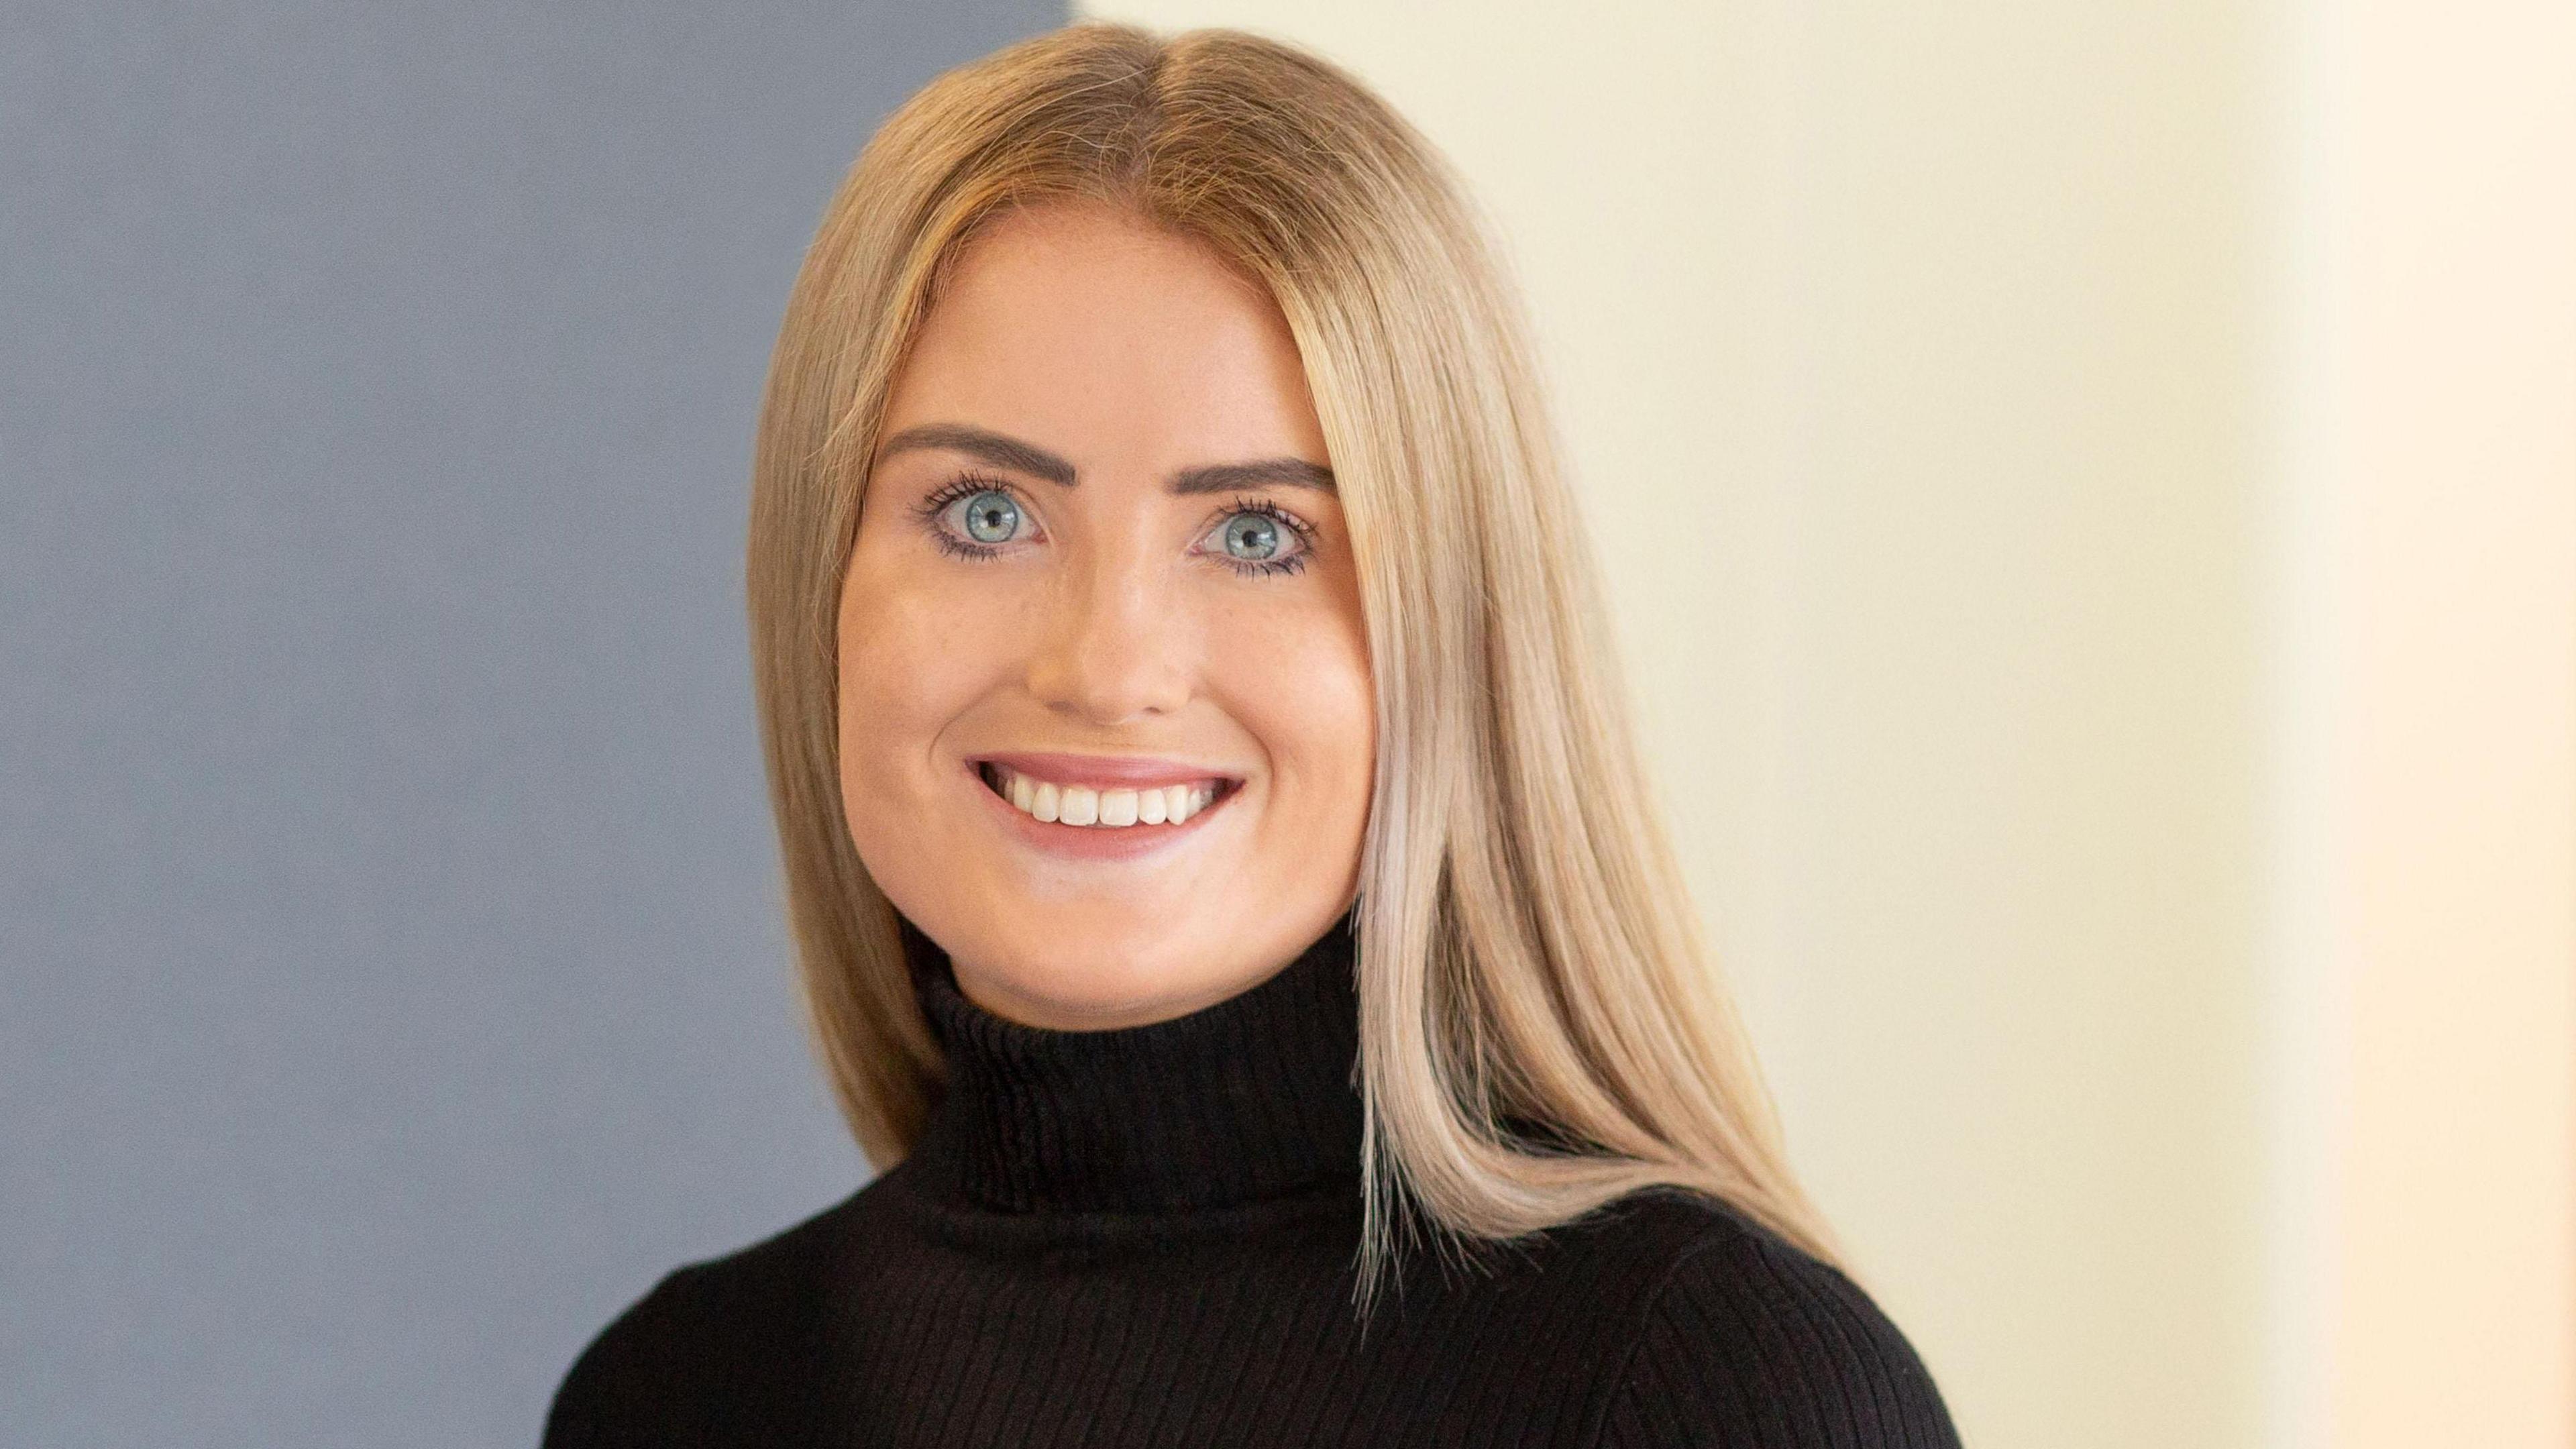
1541	1025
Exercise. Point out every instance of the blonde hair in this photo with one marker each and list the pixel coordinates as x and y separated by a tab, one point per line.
1541	1026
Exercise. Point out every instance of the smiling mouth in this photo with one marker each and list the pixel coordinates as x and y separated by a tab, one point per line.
1113	808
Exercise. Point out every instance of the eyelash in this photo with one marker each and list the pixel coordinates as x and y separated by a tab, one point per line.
967	485
1304	531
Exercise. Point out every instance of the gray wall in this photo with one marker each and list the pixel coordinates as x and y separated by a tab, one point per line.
394	978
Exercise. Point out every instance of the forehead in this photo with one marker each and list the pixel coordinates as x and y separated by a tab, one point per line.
1110	339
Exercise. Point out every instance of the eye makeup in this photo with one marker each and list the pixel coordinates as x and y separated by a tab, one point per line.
932	514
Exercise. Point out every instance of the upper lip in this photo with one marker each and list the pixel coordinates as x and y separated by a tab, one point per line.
1104	771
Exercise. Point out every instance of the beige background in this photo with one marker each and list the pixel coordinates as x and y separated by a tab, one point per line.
2090	493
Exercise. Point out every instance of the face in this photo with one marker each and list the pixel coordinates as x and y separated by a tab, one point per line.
1106	727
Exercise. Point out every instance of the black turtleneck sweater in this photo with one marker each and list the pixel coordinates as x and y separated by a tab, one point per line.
1145	1237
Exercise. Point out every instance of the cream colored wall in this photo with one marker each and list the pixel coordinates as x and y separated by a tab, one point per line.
2427	669
1941	381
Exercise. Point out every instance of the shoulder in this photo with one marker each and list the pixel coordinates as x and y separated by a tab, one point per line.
713	1350
1743	1338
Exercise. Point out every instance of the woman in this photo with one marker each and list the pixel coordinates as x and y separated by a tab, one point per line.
1226	895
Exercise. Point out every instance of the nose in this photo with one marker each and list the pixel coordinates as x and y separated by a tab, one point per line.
1115	647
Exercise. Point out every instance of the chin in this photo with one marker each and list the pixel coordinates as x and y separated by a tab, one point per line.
1093	968
1114	979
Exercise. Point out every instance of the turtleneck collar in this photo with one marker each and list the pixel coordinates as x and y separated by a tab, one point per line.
1253	1097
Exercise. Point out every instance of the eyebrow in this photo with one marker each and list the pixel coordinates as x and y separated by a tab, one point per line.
992	447
1223	477
1037	462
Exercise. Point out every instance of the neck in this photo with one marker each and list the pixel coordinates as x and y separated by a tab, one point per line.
995	995
1252	1097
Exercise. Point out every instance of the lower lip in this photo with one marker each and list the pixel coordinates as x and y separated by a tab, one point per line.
1087	842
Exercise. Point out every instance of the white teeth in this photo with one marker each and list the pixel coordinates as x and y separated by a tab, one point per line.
1105	809
1081	805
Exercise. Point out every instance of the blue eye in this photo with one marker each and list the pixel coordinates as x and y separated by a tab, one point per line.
1255	532
1251	536
991	517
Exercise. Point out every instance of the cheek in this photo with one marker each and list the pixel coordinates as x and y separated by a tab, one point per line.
1299	683
904	677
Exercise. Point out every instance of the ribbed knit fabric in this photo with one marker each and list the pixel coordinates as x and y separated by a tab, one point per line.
1145	1237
